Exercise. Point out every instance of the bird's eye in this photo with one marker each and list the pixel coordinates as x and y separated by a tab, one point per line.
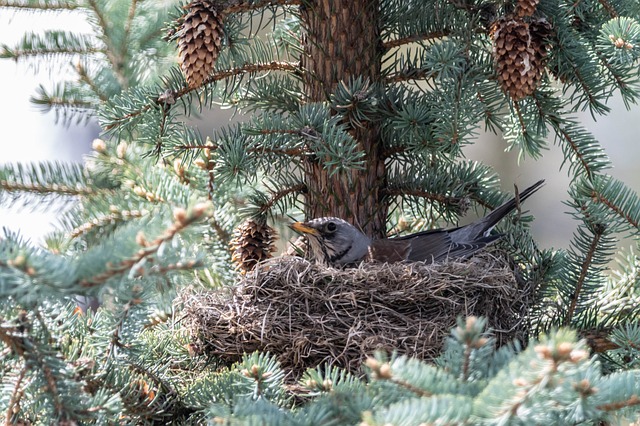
331	227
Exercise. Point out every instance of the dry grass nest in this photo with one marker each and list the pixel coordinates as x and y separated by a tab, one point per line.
307	314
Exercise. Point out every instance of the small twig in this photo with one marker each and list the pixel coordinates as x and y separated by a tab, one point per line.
127	27
20	53
154	377
46	189
163	125
276	196
15	397
106	220
293	152
523	126
609	8
400	191
413	38
596	196
82	73
467	362
239	6
633	400
599	231
557	125
410	387
408	74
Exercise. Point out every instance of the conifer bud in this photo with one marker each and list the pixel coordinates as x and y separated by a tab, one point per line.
99	145
372	363
180	215
201	163
201	209
564	350
384	372
121	149
255	369
543	351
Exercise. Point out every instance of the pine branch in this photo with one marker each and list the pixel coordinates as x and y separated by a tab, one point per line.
114	341
390	44
23	344
47	179
618	210
95	87
288	152
53	46
169	97
598	232
182	221
115	58
47	189
243	69
65	100
106	220
40	5
52	387
613	406
240	6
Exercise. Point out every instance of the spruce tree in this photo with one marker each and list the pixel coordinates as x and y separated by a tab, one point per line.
355	109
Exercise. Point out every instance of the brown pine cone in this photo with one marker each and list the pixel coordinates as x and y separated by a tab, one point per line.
200	38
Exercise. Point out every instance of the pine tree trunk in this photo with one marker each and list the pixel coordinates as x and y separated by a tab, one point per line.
343	41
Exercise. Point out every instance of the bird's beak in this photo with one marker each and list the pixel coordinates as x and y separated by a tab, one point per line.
303	228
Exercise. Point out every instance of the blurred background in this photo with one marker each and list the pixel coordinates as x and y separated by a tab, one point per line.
28	135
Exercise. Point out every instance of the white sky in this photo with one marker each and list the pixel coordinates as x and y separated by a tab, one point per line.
26	134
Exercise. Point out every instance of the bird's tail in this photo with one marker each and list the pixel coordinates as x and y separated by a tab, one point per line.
489	221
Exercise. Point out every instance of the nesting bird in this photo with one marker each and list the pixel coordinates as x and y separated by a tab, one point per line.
333	241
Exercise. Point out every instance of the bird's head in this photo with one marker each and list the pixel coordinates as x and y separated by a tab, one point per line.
333	241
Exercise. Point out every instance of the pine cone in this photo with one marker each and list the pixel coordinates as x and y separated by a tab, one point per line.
520	54
252	242
526	7
199	40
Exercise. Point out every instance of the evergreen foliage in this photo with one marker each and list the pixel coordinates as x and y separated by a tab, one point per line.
370	130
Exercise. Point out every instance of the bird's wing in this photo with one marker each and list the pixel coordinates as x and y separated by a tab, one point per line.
431	245
464	250
437	245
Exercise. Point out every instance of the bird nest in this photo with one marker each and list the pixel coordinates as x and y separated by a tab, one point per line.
307	314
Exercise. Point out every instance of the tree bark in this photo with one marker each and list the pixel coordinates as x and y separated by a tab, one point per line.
343	41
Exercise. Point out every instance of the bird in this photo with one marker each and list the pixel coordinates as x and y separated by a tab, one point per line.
335	242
